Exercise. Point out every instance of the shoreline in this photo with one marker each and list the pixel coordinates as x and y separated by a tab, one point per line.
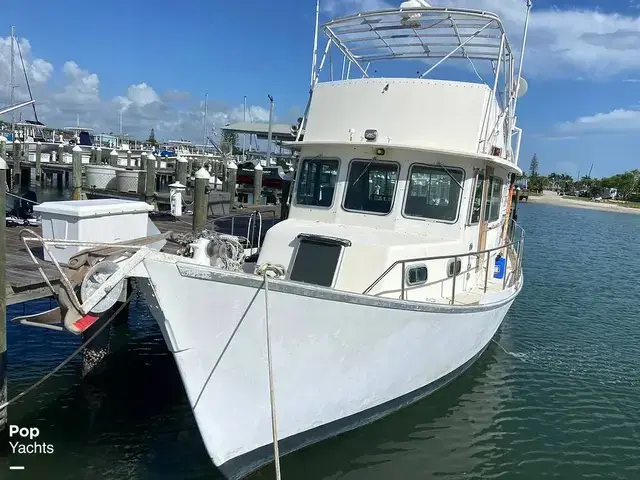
557	200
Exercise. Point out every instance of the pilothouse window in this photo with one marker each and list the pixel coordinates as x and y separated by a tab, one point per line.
432	193
371	186
494	199
317	182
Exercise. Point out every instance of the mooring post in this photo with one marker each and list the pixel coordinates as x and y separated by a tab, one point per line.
286	191
232	175
3	298
129	161
99	156
38	162
181	170
17	171
257	184
92	158
113	158
60	156
200	199
3	147
150	190
77	173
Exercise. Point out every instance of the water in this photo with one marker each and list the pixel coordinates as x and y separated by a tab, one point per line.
558	395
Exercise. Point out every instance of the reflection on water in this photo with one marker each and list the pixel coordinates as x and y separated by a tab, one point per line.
557	395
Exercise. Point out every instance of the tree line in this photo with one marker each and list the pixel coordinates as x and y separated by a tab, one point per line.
627	183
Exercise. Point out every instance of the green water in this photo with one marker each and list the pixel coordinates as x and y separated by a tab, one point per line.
557	394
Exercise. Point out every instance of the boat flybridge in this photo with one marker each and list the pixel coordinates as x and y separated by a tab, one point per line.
395	268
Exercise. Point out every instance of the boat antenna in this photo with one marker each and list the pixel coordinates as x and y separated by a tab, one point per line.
315	44
26	78
524	44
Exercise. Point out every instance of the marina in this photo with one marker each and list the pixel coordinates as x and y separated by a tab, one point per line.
338	292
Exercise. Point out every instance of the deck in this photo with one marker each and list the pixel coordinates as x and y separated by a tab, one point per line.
24	282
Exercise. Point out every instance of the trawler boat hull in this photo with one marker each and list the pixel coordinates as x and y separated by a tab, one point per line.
340	360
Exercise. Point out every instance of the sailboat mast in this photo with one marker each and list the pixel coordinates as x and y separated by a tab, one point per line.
204	132
244	135
11	86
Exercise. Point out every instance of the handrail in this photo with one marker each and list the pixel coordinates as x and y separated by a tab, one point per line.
517	267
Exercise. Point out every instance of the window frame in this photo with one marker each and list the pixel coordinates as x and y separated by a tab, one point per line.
299	176
407	188
395	189
476	177
415	266
490	195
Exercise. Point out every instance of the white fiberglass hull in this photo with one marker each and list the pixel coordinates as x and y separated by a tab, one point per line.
339	360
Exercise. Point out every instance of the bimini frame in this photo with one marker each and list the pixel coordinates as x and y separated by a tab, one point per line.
432	36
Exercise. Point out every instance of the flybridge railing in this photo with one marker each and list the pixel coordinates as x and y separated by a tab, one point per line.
431	36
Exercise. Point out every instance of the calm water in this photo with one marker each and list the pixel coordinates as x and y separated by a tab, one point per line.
558	396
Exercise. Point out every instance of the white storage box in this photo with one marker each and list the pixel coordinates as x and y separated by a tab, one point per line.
105	221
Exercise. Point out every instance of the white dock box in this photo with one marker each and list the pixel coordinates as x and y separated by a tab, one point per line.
104	221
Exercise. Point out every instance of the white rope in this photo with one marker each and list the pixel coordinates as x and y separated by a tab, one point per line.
264	271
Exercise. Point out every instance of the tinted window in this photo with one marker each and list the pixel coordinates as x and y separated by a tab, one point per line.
317	182
477	200
371	186
432	193
494	199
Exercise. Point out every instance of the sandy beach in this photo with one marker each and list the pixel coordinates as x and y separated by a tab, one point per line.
551	198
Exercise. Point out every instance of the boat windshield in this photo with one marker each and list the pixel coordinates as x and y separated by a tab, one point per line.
317	182
371	186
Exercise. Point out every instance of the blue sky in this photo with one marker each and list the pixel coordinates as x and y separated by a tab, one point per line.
155	63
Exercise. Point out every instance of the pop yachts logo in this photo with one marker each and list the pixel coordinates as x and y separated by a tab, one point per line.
23	441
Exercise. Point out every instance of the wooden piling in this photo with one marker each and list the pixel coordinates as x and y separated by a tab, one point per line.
3	147
257	184
77	173
38	162
181	170
99	156
200	199
17	171
150	190
60	156
3	297
129	161
113	158
232	176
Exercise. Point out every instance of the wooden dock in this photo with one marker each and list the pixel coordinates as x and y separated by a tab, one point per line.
24	282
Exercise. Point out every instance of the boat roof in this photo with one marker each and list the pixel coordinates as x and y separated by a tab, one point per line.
79	129
280	131
418	33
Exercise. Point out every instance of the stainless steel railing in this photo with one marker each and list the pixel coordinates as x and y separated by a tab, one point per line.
513	250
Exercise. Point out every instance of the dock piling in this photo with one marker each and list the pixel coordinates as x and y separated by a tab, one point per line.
3	297
181	170
232	176
200	199
99	156
38	162
60	156
113	158
77	173
17	171
150	190
129	161
257	184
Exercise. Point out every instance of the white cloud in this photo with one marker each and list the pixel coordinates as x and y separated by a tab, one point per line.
562	41
82	88
616	121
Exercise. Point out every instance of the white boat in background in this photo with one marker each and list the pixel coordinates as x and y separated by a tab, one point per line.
395	268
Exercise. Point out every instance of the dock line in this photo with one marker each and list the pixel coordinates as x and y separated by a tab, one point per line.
68	359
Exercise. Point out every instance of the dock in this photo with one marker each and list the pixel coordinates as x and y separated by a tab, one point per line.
24	282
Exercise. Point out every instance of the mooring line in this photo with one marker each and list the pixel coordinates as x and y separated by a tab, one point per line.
67	360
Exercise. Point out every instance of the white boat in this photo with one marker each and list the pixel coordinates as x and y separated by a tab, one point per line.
395	268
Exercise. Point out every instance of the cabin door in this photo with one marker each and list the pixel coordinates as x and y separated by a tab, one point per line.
482	235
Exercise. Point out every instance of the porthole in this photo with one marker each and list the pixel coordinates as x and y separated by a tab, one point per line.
417	275
458	267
